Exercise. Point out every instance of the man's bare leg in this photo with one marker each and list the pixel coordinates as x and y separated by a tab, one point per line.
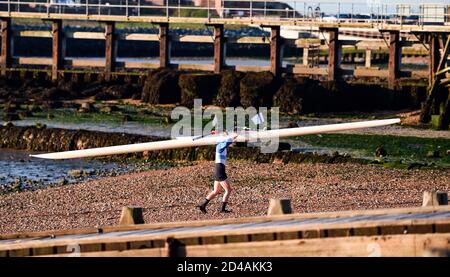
210	196
227	187
215	191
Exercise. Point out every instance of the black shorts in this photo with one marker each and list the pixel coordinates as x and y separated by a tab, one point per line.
220	174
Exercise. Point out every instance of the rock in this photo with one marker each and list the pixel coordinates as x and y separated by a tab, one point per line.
8	124
108	109
40	125
10	116
433	154
34	108
50	116
25	114
75	172
86	108
126	118
63	181
292	124
380	152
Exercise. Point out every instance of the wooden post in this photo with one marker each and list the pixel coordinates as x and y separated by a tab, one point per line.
110	59
368	58
394	58
279	206
131	215
164	45
434	198
434	56
57	48
276	54
6	44
175	248
333	54
219	48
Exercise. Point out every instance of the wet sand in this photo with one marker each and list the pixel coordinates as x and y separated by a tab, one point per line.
172	194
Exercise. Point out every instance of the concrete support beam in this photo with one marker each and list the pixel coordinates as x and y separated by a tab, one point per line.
57	48
368	57
219	48
110	58
276	51
5	60
394	58
434	56
164	45
334	56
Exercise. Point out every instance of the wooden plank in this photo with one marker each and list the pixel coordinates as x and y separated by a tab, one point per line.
239	235
304	70
33	60
382	246
249	68
85	35
197	223
202	67
370	72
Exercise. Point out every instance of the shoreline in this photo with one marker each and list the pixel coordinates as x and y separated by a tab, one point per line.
311	188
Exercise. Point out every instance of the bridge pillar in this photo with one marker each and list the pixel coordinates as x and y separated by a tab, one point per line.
164	45
334	58
276	51
434	56
5	61
219	48
394	58
57	48
110	52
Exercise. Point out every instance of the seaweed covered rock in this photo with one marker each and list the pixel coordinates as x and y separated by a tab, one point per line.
289	96
228	94
194	86
257	89
300	95
115	91
161	87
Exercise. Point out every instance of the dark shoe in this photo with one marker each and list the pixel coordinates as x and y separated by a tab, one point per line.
223	208
202	206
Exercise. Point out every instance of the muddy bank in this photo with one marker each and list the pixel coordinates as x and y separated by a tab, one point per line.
293	94
48	140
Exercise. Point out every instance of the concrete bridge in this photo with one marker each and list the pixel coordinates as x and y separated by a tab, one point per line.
399	26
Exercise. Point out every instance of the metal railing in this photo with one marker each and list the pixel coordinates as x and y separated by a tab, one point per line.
327	11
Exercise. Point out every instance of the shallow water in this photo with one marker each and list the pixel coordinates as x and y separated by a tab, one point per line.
17	165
